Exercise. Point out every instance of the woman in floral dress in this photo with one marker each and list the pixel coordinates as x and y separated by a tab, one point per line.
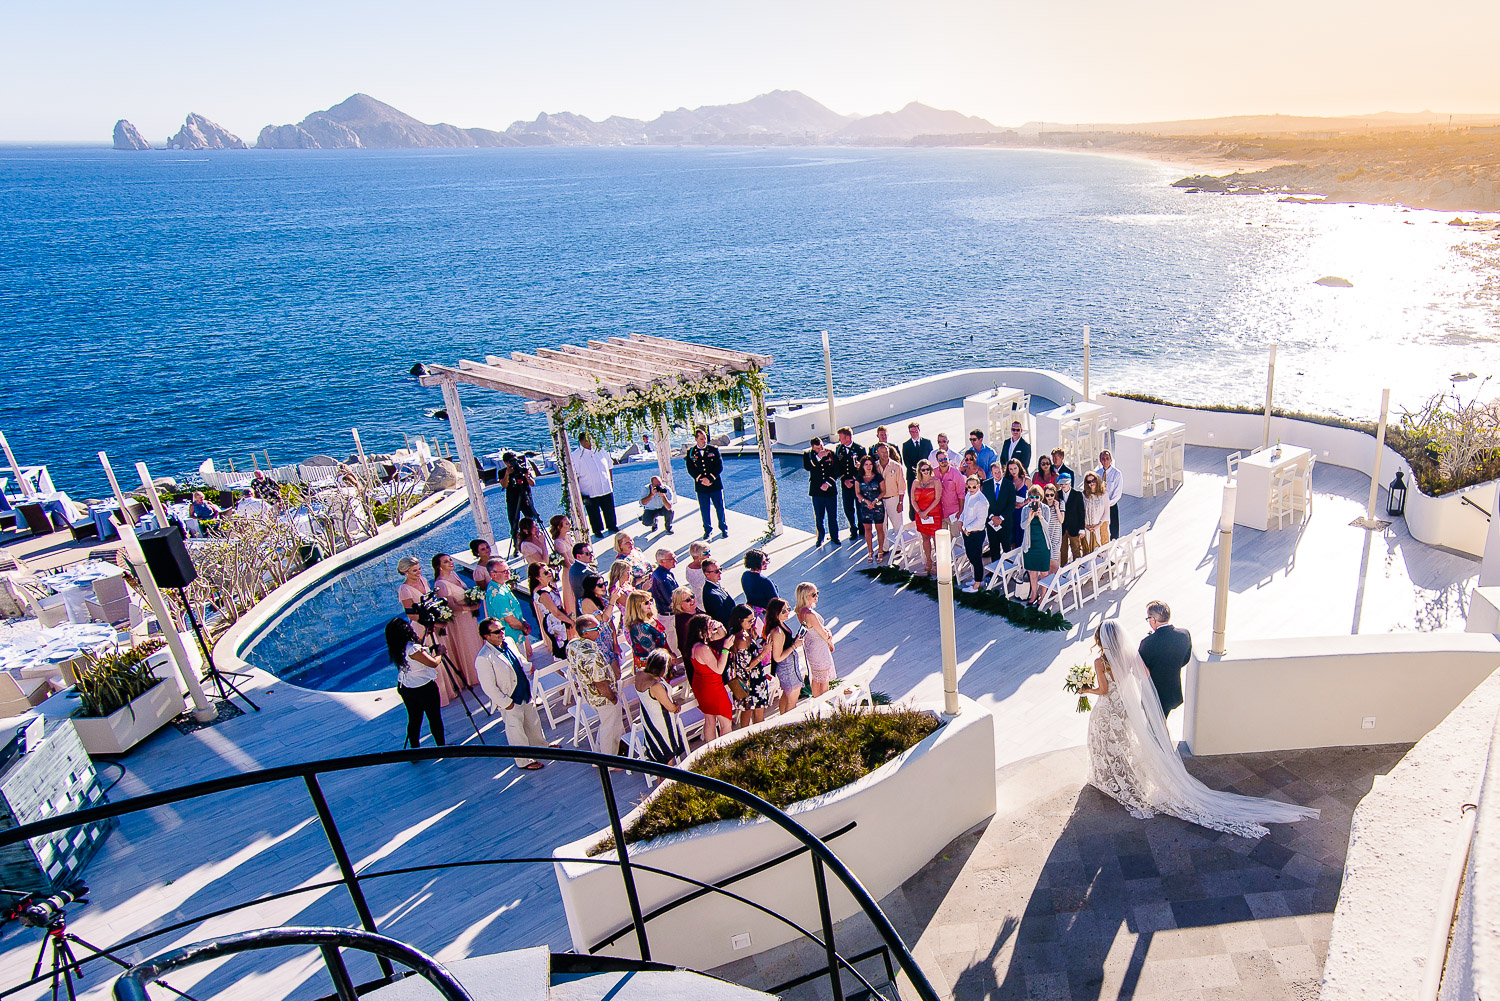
747	671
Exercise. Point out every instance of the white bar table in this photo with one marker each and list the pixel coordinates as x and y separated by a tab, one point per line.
1133	444
1254	476
993	410
1049	424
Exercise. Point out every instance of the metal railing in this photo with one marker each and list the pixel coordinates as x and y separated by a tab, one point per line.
823	858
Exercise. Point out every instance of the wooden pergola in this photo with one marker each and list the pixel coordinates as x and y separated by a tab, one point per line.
551	379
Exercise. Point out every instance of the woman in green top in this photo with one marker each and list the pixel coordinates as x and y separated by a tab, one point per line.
500	602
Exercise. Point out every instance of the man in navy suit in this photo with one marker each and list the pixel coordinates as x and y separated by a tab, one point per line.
1166	651
1017	448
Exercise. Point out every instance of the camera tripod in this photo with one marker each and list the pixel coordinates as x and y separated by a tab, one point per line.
455	678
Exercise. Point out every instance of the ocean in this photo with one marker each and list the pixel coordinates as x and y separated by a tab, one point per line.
176	306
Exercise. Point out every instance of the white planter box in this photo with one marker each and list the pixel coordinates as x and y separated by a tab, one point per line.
905	812
124	728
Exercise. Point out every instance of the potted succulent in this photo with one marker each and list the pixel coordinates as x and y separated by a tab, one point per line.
122	701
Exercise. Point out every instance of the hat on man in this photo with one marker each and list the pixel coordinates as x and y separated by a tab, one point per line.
1065	475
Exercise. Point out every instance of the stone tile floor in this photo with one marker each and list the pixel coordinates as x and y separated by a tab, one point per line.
1064	895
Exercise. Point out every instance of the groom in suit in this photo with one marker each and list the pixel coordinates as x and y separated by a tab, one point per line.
1165	651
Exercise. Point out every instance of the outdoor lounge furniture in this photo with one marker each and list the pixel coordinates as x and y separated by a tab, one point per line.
36	519
19	695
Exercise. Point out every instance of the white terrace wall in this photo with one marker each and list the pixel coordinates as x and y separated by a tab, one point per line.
1457	520
1318	691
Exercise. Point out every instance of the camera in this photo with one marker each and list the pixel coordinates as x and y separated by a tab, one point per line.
44	912
1036	505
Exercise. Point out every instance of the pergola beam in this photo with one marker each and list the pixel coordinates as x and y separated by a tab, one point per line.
740	360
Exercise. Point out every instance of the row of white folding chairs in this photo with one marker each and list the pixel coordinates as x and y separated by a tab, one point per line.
906	553
1109	566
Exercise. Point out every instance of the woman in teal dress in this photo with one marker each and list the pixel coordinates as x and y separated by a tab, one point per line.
1043	536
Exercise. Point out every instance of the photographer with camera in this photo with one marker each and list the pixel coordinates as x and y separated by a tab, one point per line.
657	504
517	477
417	671
1042	528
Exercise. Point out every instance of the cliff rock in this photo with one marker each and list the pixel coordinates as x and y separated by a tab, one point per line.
914	120
198	132
363	122
127	136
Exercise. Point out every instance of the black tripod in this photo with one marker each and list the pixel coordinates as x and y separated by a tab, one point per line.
455	678
48	913
218	677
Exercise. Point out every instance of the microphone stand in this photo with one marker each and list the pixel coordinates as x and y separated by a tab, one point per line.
212	673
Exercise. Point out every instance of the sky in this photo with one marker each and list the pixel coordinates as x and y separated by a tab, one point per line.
68	71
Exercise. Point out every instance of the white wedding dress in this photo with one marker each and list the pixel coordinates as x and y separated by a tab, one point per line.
1132	758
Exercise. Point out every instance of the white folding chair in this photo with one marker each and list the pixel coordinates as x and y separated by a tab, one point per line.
1233	461
1134	545
585	724
553	689
689	721
1003	570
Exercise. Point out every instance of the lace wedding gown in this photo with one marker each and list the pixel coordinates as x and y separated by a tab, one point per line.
1133	760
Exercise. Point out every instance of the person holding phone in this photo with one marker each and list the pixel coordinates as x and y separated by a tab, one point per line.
1043	534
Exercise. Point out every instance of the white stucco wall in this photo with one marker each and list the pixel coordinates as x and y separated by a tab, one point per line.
906	811
1317	691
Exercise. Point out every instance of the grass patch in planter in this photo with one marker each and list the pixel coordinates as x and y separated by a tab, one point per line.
782	765
1017	613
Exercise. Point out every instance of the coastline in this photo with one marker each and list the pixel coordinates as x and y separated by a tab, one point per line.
1219	166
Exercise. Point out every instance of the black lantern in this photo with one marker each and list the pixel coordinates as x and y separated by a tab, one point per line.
1396	504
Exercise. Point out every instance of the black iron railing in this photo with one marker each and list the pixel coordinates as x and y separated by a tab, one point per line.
823	858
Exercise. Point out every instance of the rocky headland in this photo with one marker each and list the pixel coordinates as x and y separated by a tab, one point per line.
198	132
127	136
361	122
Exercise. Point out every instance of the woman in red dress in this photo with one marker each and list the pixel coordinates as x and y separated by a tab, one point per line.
707	654
926	509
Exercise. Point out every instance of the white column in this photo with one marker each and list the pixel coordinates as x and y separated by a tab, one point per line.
202	711
833	423
767	466
359	449
1489	569
1265	437
663	432
155	498
15	468
947	632
1085	364
114	485
472	484
1221	561
1385	410
560	446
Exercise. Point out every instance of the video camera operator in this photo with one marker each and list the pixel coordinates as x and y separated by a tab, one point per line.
657	504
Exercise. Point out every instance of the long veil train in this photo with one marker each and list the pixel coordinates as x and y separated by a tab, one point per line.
1164	780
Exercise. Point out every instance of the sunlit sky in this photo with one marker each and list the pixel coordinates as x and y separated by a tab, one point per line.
68	71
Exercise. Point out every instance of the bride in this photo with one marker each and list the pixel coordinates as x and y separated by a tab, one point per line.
1133	760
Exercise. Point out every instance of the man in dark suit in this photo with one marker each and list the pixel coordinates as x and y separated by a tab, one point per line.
1017	448
822	477
1071	502
846	458
1060	466
1166	652
717	602
914	450
1001	494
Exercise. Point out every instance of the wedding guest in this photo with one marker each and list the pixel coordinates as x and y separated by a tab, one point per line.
656	505
560	537
1165	651
951	486
748	673
757	586
785	641
500	602
619	583
625	550
640	622
970	466
684	607
663	741
1019	489
1114	489
1095	513
715	601
596	683
1043	538
882	437
707	656
871	508
892	494
926	510
533	541
819	646
697	553
984	456
582	565
202	510
1017	448
822	476
954	459
416	680
517	479
847	454
596	483
664	581
1070	504
547	607
413	584
706	466
1045	475
593	597
502	677
972	520
914	450
1060	466
463	630
480	550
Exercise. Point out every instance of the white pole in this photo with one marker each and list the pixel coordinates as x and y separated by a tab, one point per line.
1085	364
565	468
833	423
664	454
10	457
156	504
114	485
176	650
1265	437
1385	410
947	632
1221	583
470	471
359	449
1489	568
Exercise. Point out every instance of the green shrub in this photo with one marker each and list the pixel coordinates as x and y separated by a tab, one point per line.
1017	613
782	765
109	682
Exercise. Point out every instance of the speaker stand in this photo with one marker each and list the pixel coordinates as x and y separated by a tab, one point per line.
213	673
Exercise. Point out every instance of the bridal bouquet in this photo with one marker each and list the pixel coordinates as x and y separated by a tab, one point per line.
1079	678
475	595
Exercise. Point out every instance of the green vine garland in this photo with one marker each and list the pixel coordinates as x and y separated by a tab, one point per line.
681	403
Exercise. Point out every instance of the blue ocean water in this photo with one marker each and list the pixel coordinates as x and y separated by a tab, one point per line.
177	306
